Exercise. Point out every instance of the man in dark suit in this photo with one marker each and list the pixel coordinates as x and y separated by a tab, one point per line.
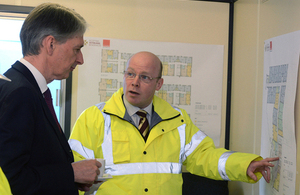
34	153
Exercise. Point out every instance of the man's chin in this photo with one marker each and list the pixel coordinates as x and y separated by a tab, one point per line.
133	102
66	75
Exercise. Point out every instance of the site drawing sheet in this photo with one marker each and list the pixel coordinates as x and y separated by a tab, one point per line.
192	76
281	61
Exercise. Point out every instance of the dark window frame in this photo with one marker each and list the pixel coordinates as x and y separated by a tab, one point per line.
229	67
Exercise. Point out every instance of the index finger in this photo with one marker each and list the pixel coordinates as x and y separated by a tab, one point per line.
98	164
272	159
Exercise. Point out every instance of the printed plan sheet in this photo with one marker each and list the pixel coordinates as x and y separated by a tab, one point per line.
281	61
192	76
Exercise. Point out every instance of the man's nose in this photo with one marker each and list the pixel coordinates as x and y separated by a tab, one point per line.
79	58
136	81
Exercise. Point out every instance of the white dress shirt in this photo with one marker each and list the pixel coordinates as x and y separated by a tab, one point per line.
40	79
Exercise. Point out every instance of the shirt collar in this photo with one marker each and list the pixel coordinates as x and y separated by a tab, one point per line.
40	79
133	109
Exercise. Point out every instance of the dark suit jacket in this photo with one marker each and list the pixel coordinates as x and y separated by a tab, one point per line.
34	155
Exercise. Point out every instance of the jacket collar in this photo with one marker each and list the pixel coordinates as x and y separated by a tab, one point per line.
115	106
21	68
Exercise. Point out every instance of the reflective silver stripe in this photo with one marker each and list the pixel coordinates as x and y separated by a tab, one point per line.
222	163
107	138
80	149
143	168
195	141
181	131
186	150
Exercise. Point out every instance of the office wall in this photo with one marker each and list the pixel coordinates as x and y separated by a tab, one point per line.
255	22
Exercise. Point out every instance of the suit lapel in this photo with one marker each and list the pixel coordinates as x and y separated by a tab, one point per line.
28	75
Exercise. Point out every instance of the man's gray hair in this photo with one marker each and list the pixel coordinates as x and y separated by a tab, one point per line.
50	19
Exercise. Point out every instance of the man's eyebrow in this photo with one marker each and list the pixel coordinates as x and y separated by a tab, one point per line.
78	47
142	73
130	69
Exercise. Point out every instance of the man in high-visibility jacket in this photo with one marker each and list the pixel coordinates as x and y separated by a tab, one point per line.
151	164
4	185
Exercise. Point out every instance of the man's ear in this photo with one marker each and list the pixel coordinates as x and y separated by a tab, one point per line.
159	84
48	44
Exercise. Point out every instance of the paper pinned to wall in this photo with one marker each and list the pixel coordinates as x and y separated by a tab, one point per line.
281	61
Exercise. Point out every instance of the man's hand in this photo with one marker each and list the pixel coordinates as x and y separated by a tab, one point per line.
85	173
83	187
262	166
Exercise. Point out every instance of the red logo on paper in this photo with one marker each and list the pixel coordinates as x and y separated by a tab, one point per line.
106	43
270	45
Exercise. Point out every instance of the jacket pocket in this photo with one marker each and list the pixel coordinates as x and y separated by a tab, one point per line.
121	150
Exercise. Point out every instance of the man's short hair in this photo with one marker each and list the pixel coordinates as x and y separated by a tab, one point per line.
50	19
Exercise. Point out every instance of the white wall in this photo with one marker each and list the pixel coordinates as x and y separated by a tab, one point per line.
255	22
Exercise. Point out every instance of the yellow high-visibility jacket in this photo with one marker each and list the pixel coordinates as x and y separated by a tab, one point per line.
107	131
4	185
